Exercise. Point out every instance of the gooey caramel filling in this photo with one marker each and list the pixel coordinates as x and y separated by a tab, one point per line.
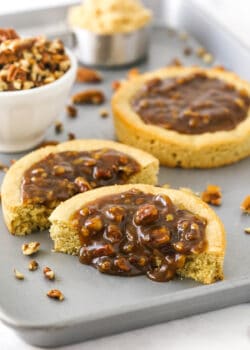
136	233
193	104
60	176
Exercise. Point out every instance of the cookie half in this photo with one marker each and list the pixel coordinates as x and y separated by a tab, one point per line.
141	229
35	184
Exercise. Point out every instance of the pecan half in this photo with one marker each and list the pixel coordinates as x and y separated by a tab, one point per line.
55	294
95	97
87	75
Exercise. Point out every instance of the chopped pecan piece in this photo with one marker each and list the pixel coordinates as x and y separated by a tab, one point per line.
18	275
245	205
58	127
115	85
247	230
212	195
55	294
30	248
3	167
48	273
33	265
95	97
87	75
132	73
104	113
7	34
71	111
71	136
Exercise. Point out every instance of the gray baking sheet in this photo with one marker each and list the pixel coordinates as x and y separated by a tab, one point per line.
96	304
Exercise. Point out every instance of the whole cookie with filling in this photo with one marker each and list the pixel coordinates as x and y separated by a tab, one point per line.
35	184
131	230
186	116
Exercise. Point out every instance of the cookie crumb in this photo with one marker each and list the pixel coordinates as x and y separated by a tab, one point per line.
115	85
133	72
183	36
212	195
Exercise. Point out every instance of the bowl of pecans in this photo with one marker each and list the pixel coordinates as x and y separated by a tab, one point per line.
36	75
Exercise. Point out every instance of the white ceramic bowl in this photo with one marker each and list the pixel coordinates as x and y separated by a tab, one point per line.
25	115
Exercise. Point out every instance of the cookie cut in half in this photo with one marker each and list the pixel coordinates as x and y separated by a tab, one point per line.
185	116
138	229
35	184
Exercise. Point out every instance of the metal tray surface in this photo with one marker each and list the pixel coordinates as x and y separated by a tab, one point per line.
96	304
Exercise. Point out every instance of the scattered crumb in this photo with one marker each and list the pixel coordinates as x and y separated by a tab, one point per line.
247	230
33	265
3	167
55	294
245	205
175	62
201	51
132	73
104	113
207	58
188	51
183	36
212	195
71	136
115	85
87	75
18	275
71	111
47	143
95	97
58	127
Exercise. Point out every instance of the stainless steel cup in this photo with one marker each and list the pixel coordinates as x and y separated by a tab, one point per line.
111	50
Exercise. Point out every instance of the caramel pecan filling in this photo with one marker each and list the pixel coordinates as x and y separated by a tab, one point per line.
136	233
26	63
61	175
193	104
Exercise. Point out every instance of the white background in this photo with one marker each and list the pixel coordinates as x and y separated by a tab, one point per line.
220	330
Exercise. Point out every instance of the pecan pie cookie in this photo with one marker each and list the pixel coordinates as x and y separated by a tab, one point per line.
131	230
38	182
186	116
